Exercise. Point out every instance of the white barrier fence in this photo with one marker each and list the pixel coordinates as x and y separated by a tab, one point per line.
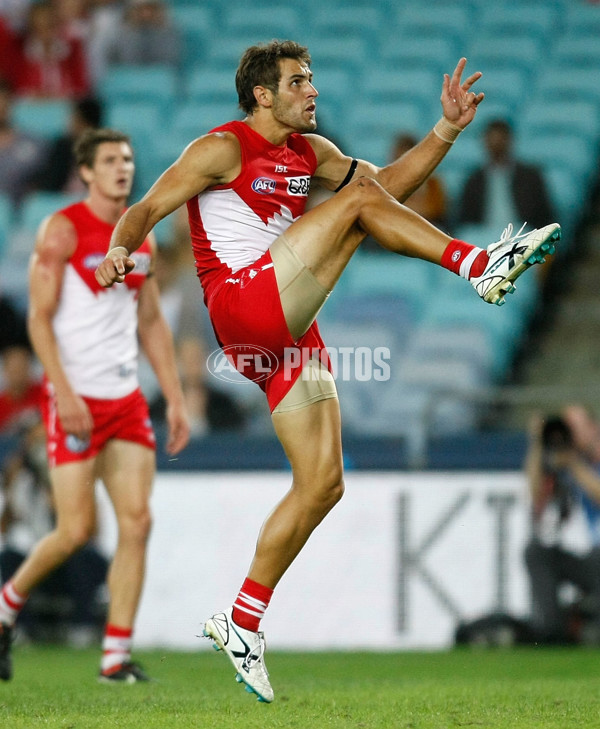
398	562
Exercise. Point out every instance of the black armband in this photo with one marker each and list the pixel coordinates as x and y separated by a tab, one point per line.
348	177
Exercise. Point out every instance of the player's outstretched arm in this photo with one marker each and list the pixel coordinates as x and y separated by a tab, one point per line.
459	106
209	160
403	176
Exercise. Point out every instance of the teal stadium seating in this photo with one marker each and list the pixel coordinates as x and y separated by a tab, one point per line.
378	68
41	117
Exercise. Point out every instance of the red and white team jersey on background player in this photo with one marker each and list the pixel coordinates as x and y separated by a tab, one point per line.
96	328
232	228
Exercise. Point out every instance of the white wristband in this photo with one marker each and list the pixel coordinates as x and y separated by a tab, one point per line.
446	131
116	248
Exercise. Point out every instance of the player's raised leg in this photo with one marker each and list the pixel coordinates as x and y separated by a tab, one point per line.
326	237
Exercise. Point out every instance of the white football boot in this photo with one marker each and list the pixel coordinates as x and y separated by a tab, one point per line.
245	650
510	257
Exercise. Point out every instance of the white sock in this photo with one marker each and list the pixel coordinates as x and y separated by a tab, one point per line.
11	604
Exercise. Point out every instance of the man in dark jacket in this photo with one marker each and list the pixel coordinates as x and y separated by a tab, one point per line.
504	188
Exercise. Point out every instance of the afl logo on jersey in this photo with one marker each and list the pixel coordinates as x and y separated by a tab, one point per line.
264	185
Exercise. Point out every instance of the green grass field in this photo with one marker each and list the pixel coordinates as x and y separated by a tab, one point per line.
503	689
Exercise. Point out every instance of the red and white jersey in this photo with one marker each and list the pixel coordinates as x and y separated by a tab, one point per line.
96	328
233	225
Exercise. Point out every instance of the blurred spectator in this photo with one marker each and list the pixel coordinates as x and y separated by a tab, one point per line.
146	36
21	155
13	330
73	17
71	594
585	430
429	200
504	188
562	481
105	18
7	51
21	393
14	13
60	173
49	64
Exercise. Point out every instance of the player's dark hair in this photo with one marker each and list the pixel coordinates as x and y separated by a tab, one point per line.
89	110
499	125
86	145
556	434
259	66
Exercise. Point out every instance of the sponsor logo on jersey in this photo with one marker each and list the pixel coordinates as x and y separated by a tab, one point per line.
298	186
75	444
264	185
142	263
141	260
92	261
126	370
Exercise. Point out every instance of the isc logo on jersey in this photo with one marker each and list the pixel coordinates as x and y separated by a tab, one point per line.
264	185
298	186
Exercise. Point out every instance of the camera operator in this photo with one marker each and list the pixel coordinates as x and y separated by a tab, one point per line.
561	481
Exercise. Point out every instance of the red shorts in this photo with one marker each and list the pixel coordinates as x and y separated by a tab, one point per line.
248	320
126	418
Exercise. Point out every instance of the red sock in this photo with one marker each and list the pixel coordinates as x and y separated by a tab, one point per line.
116	647
464	259
250	604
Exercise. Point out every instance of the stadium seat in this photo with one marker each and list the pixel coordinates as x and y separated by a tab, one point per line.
6	221
45	118
399	312
560	148
366	20
38	205
430	53
383	121
487	52
272	21
151	84
466	341
197	18
558	83
569	198
335	85
452	19
349	52
394	84
209	85
582	20
523	19
507	87
546	116
144	119
192	119
377	273
577	51
225	56
468	152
